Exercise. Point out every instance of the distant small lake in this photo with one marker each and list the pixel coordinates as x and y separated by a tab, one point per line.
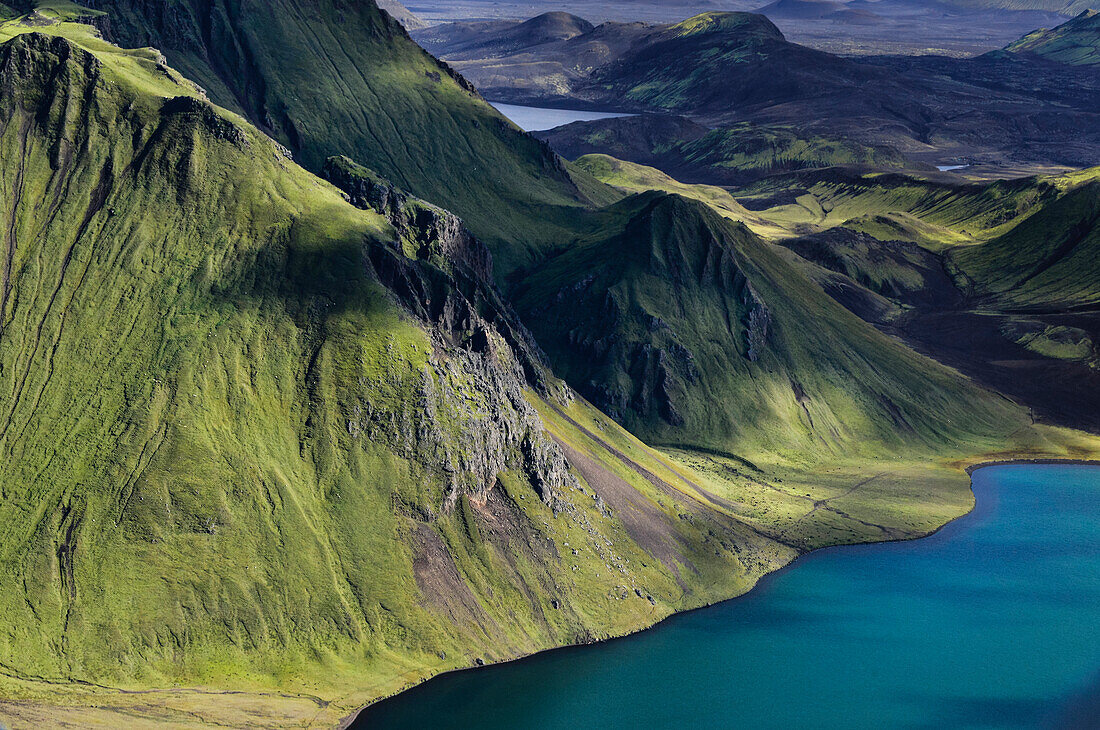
949	168
537	119
994	622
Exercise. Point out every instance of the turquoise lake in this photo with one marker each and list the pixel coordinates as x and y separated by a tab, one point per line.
994	622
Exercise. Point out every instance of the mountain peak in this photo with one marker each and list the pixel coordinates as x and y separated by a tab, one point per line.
727	22
560	20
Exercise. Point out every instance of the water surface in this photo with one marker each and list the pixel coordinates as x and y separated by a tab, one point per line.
994	622
537	119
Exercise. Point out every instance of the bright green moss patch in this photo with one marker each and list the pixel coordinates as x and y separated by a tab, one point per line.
1062	343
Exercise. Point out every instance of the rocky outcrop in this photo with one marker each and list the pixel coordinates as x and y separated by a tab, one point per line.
756	321
441	274
467	423
432	233
203	113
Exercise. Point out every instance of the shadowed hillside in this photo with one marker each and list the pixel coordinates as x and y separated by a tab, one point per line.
689	329
328	78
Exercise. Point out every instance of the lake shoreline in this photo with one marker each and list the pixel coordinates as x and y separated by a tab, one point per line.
570	104
543	118
968	468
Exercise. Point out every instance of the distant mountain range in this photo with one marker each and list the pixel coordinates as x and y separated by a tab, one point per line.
726	68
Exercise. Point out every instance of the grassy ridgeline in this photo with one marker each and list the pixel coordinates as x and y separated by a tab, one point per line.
331	78
1076	42
231	461
1047	261
690	329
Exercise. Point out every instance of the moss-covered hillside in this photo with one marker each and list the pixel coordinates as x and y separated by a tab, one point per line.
1048	261
1076	42
338	78
690	329
253	441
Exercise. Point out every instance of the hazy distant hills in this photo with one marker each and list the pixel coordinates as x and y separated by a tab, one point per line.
1065	7
801	8
401	14
727	68
830	10
500	38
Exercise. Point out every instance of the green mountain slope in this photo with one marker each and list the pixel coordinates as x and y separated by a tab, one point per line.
1076	42
256	439
332	78
924	209
271	449
1047	261
689	329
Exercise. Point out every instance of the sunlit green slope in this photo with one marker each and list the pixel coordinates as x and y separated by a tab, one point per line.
1076	42
250	440
689	329
257	440
1048	261
335	78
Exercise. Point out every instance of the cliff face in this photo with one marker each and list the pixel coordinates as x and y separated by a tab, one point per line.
451	282
443	275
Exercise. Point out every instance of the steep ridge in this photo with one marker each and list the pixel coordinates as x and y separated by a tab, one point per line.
992	278
1076	42
687	328
257	439
1047	262
330	78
